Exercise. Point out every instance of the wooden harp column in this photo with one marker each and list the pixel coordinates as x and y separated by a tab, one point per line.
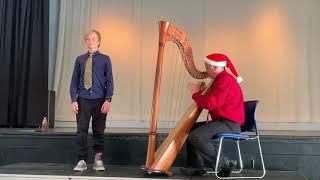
161	160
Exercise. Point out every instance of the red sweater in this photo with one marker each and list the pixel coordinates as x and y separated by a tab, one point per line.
224	99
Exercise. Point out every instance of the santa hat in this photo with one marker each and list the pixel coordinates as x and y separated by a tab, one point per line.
222	60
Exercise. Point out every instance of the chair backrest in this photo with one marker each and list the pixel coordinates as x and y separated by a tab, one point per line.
250	124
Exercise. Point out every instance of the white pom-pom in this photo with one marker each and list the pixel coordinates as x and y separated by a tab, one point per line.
239	79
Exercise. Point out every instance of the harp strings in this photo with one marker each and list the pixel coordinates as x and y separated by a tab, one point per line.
175	98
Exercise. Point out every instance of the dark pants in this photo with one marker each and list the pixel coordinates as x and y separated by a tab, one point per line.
90	108
200	149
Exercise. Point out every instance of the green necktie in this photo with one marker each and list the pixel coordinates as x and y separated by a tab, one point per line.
88	73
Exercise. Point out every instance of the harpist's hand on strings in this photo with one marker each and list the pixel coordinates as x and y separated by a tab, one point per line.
196	87
202	86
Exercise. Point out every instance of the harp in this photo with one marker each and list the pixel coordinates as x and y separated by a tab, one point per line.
159	161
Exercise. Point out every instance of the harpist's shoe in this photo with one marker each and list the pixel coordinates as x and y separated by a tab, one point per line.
227	168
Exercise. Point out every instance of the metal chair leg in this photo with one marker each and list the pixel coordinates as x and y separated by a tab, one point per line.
218	157
262	161
240	159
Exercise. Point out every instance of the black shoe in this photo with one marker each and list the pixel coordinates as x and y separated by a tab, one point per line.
193	171
227	168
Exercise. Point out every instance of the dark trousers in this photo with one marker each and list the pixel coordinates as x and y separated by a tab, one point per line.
90	108
200	149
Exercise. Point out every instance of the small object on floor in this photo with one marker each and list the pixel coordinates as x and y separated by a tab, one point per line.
193	171
81	166
227	168
98	163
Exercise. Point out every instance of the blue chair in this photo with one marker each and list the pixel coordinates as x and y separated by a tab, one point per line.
248	132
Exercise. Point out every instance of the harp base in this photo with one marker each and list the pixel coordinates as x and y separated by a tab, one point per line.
155	172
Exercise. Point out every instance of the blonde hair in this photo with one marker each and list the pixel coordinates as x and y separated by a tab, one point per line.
96	32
